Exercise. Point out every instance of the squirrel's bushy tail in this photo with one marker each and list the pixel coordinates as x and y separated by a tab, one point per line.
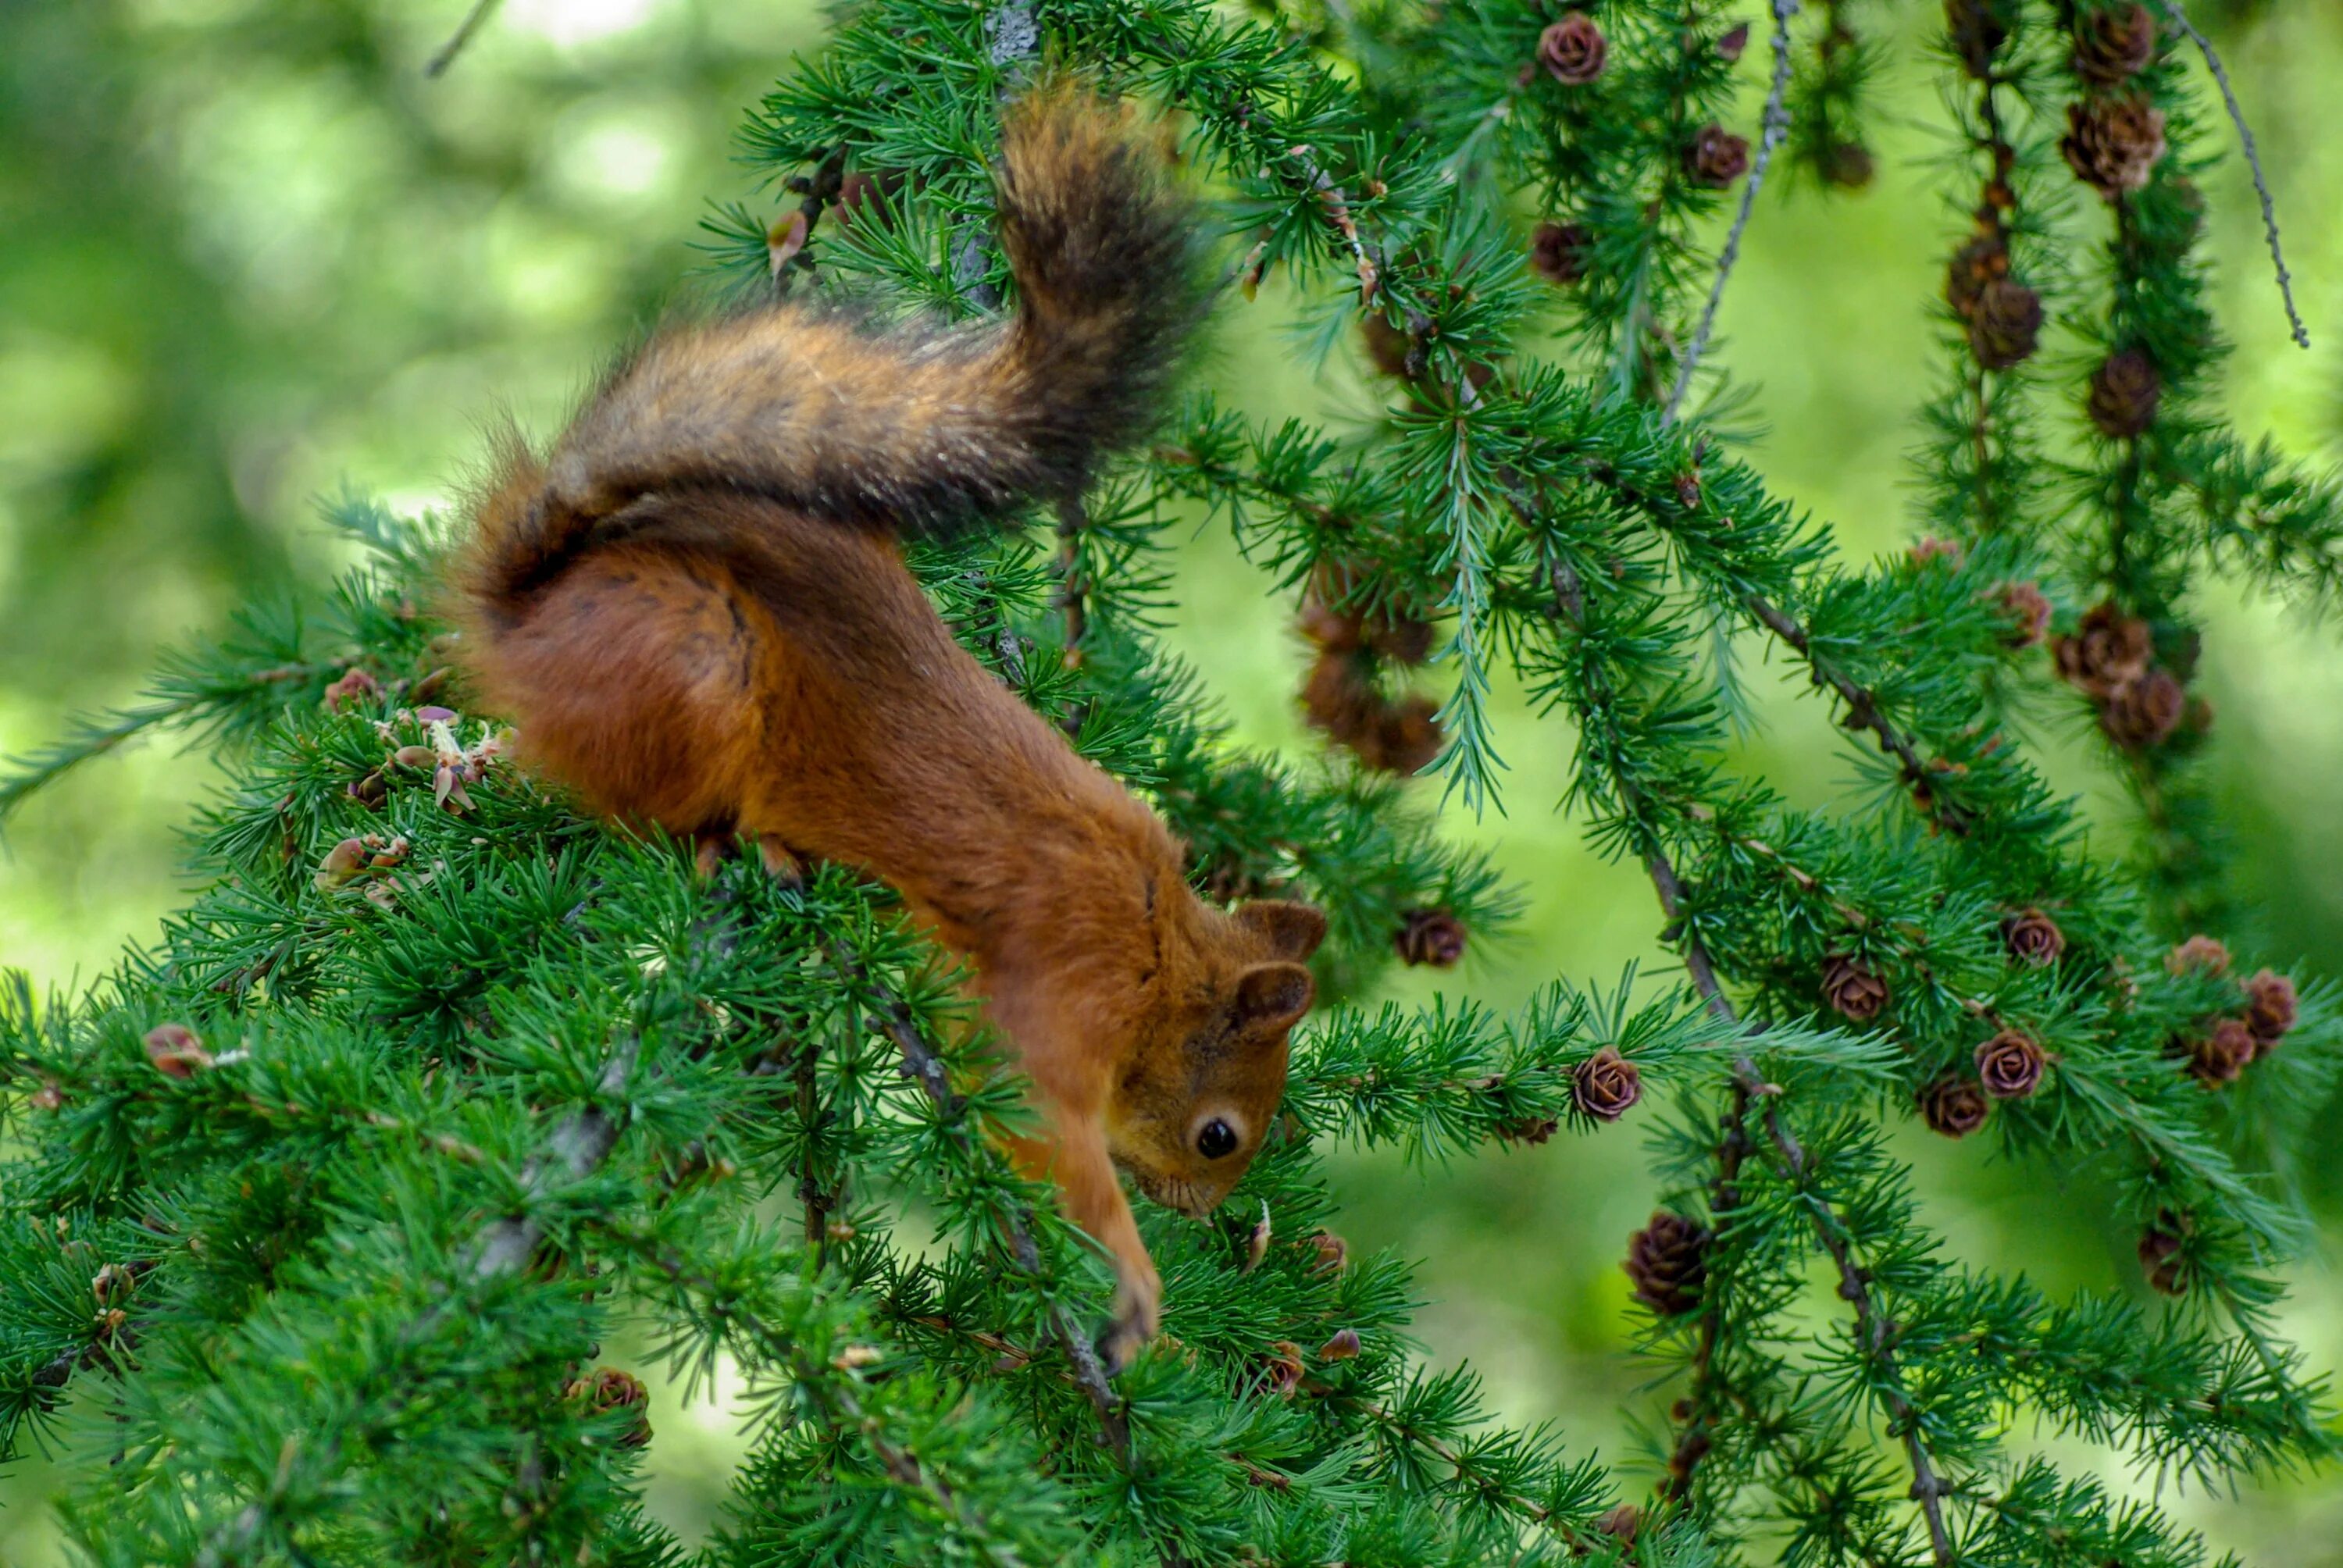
919	429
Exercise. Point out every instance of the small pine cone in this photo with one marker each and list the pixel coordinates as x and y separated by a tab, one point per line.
608	1390
2009	1065
2029	611
177	1051
1667	1258
2271	1007
1573	50
2125	390
2113	144
1848	166
1433	937
1621	1523
1606	1084
355	685
2199	952
1851	989
2114	45
1279	1369
1955	1106
2219	1055
863	197
1332	1253
2109	651
1338	699
1530	1130
2005	324
1387	346
1933	548
1342	1345
2033	936
2160	1256
1405	739
1976	28
1731	43
1559	252
1716	157
1973	266
112	1284
2145	712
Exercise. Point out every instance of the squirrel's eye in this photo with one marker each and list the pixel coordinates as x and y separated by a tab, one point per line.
1217	1139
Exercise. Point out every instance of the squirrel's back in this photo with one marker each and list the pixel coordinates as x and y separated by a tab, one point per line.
916	427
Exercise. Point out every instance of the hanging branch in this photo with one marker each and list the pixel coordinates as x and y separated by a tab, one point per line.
473	20
1776	122
2300	333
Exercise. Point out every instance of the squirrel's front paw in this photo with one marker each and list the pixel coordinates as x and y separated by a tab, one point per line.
1138	1313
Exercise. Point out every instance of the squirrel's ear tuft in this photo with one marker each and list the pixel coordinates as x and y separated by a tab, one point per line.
1273	996
1292	931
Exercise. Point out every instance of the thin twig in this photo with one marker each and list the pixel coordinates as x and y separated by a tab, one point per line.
1750	1089
1338	209
473	21
2253	161
1863	712
923	1066
1777	125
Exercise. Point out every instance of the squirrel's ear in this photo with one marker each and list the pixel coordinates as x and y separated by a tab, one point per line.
1292	931
1273	996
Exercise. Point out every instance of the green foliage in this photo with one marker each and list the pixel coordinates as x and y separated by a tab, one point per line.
472	1083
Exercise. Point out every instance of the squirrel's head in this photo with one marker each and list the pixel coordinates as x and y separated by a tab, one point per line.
1204	1077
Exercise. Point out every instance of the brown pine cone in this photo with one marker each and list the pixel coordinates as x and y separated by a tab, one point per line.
355	685
1432	937
2033	936
2125	390
2114	45
1975	265
2113	143
608	1389
1932	548
1621	1523
2006	324
2219	1055
2271	1007
1573	50
177	1051
1731	43
2144	712
2199	952
1279	1369
862	197
2009	1065
1848	166
2029	609
1387	346
1606	1084
1976	29
1667	1258
1333	1252
2160	1256
1716	157
1955	1106
1405	739
1559	252
2109	651
1851	989
1530	1129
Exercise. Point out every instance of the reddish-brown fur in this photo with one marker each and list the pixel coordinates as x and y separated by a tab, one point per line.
715	661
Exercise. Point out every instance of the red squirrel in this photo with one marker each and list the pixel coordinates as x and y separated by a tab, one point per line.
696	609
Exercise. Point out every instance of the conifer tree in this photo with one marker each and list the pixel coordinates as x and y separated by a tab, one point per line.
327	1202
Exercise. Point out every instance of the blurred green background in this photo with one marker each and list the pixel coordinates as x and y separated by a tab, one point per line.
249	255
